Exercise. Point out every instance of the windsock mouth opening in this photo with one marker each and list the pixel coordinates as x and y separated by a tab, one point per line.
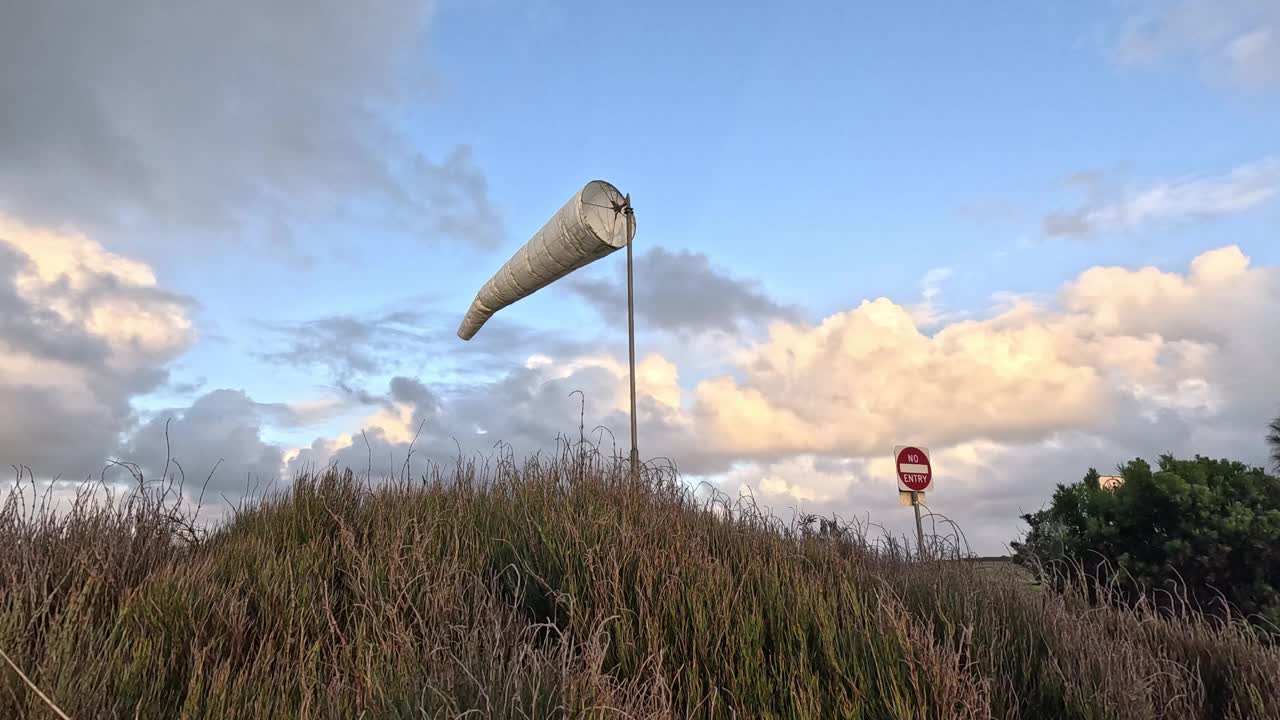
608	213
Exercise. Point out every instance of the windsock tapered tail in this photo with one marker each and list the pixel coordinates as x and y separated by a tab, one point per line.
595	222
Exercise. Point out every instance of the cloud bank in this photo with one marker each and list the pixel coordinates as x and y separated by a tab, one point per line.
82	331
1122	362
234	121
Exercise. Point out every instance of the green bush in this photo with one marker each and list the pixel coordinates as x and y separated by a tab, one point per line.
1200	533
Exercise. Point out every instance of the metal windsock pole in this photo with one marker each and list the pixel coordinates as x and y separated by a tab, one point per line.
595	222
631	354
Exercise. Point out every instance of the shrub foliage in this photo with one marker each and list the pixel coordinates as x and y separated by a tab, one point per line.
1203	533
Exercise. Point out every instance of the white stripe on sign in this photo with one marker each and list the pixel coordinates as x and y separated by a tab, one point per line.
909	468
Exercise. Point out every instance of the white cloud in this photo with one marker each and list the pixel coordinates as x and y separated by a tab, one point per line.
1230	39
932	281
931	310
1252	48
1124	363
863	379
1170	201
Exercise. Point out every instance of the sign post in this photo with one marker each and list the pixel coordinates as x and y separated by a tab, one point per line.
915	476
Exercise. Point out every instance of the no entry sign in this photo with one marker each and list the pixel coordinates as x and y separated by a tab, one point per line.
914	471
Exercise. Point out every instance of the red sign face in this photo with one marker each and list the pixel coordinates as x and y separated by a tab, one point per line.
914	470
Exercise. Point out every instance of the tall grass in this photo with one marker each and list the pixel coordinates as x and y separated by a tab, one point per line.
559	588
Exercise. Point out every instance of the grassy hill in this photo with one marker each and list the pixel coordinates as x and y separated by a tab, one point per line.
560	589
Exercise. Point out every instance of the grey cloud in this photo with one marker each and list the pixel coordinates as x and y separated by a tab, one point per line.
40	330
991	212
347	345
234	117
220	433
186	387
354	346
69	399
36	329
358	394
528	408
1074	224
681	292
1091	181
53	437
525	410
67	426
413	392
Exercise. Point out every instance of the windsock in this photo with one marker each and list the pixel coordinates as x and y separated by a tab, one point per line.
595	222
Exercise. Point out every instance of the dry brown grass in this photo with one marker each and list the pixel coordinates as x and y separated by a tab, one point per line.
558	588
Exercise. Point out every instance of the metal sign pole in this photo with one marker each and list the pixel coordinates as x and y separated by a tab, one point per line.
631	350
915	503
915	476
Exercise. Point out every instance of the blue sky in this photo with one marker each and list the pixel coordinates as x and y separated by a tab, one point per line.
814	158
896	140
741	130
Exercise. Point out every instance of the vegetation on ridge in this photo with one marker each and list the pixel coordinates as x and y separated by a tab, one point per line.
558	588
1201	531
